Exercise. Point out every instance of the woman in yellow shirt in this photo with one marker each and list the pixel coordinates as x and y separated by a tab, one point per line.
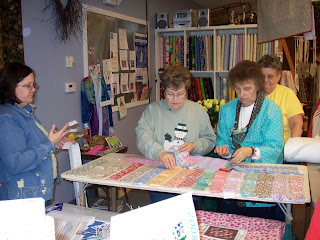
284	97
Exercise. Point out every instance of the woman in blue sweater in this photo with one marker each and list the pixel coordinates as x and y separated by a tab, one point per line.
250	129
27	162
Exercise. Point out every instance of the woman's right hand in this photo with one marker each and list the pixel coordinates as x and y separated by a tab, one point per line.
168	159
55	136
222	151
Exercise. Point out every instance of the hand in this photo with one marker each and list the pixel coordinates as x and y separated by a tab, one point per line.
241	154
189	146
55	136
222	151
168	159
63	140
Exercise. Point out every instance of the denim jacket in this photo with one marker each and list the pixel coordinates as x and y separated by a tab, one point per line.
25	155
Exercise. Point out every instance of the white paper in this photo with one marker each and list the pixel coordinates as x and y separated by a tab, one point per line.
107	71
25	219
73	130
74	122
124	59
124	83
69	225
123	41
132	82
67	145
142	75
161	220
115	85
132	59
114	52
122	107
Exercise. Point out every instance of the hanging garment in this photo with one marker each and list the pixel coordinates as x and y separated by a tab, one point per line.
94	114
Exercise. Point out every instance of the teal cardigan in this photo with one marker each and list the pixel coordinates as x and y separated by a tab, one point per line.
265	133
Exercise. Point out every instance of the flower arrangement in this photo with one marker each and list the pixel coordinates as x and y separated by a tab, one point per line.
212	107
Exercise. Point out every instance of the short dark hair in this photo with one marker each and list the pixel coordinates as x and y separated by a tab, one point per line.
176	76
268	61
10	76
244	71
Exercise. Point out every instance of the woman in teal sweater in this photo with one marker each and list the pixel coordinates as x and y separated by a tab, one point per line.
250	129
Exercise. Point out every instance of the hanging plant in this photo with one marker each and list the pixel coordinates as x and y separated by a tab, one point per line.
66	15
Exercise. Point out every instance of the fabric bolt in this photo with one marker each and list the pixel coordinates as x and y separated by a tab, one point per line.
296	190
279	187
232	184
267	169
264	186
250	176
164	177
84	168
204	180
235	175
148	176
183	159
247	188
231	188
105	170
191	179
218	182
136	174
177	179
257	228
125	171
142	160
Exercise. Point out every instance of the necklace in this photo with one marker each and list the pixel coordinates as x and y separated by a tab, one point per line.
240	127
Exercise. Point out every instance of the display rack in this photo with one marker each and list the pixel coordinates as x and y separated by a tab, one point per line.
212	70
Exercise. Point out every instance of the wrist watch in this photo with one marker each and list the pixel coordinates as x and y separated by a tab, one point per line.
254	152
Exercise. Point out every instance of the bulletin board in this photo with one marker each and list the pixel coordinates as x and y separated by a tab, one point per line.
99	28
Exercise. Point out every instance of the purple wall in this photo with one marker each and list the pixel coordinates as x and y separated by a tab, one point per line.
47	57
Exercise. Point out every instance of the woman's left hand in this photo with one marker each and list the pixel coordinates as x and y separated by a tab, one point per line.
189	146
63	140
240	155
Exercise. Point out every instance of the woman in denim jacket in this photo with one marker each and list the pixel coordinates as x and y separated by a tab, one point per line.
27	162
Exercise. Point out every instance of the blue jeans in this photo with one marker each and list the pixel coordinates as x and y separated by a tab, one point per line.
159	196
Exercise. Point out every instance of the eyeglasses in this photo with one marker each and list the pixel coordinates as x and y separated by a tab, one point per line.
172	95
269	77
30	86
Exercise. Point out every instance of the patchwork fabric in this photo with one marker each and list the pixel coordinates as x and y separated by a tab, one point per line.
204	180
164	177
184	160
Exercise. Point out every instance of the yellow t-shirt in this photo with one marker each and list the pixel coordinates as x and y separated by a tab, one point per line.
289	104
